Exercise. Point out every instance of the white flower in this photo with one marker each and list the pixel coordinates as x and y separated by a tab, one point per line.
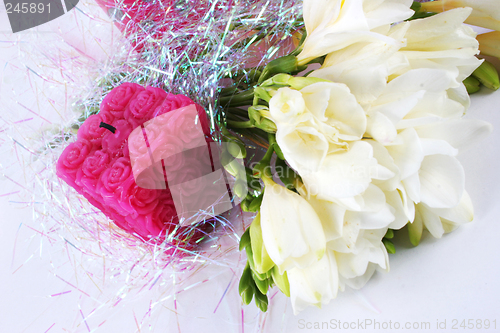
291	230
344	219
441	41
304	147
287	107
314	121
356	267
365	66
334	24
354	249
441	220
485	13
418	119
345	174
316	284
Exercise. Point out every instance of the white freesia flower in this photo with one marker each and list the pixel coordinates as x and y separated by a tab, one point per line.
344	221
354	249
335	24
356	266
304	146
314	121
375	146
443	220
316	284
319	283
485	13
438	42
365	66
291	229
418	120
441	41
288	107
346	174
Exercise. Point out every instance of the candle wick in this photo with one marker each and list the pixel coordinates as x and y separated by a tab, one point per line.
108	127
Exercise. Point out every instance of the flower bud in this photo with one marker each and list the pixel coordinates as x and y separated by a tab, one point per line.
262	285
244	206
281	281
240	188
297	83
259	116
246	287
415	229
485	13
487	75
230	164
489	43
244	240
236	148
286	64
255	203
389	234
389	246
472	85
269	87
267	125
254	113
261	301
262	261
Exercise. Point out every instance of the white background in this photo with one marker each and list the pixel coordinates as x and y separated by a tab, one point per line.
454	278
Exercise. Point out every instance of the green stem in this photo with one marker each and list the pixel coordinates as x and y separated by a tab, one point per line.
238	112
240	124
238	99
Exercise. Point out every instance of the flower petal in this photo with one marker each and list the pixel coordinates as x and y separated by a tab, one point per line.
460	133
291	229
304	147
345	174
430	220
315	285
442	181
407	152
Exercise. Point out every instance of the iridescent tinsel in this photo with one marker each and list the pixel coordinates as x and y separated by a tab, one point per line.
97	261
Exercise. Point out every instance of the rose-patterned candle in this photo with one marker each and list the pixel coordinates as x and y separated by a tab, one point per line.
98	164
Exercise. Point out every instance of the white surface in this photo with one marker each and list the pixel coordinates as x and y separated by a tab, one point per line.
454	278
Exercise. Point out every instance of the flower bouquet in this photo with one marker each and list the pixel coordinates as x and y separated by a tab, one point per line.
333	126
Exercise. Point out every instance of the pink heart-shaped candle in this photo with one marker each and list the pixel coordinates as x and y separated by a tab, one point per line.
98	164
